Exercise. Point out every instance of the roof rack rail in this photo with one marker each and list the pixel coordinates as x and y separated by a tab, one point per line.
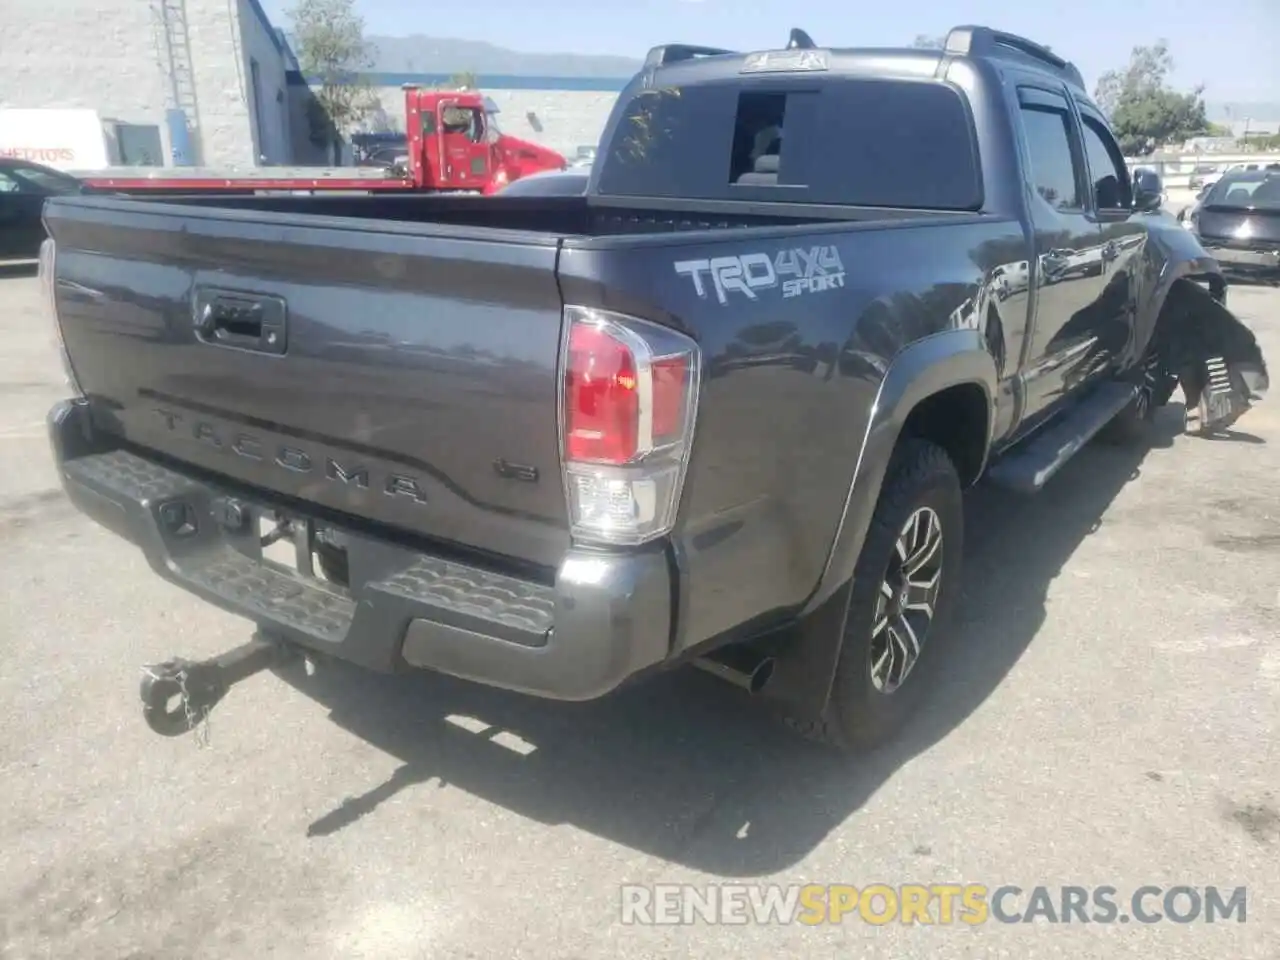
675	52
986	42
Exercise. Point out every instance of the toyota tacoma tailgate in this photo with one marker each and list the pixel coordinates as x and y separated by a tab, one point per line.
403	374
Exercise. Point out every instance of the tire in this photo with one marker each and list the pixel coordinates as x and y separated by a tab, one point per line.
1132	426
866	708
333	563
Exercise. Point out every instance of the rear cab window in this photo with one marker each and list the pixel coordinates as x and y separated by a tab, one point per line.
906	143
1257	191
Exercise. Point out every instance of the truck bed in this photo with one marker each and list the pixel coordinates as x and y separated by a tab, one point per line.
232	173
417	384
568	216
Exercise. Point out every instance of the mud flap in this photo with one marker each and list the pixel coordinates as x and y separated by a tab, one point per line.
1214	358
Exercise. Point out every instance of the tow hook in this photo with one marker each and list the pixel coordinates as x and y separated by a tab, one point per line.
178	694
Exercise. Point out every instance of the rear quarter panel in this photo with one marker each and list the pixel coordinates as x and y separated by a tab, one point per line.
790	381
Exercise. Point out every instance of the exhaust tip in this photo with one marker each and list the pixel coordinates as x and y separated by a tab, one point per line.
761	675
750	673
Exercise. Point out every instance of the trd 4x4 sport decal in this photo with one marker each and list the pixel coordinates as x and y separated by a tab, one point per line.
797	271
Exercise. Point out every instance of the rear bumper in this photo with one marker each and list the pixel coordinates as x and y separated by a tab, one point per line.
1239	264
605	618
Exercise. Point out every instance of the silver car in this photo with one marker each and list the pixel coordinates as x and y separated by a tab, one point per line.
550	183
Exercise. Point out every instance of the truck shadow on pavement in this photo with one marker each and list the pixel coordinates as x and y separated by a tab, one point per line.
688	769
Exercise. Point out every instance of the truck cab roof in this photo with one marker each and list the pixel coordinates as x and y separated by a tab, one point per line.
686	63
704	124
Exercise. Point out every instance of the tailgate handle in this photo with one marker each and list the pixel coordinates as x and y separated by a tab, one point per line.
246	321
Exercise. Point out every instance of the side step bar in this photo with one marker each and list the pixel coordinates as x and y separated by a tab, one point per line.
1028	469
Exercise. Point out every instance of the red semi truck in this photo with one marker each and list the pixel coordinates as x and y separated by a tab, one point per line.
454	145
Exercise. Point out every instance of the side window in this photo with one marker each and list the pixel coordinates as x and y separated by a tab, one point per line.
463	120
1053	166
8	184
1111	188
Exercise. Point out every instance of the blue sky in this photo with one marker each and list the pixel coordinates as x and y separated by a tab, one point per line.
1222	43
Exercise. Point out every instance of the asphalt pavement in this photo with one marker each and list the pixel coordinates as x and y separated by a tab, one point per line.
1109	717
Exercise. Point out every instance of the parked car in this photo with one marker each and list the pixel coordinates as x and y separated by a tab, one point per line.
24	187
1186	216
718	411
1200	174
1238	223
550	183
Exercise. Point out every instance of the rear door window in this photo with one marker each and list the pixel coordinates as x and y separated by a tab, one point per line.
856	142
1055	170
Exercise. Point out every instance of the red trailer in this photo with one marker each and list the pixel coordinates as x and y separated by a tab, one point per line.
454	145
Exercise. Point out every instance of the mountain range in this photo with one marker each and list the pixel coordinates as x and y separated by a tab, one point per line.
423	54
420	53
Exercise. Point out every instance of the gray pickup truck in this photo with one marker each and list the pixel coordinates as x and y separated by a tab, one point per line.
718	410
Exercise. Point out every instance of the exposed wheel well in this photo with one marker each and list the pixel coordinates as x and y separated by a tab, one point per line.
1185	292
956	419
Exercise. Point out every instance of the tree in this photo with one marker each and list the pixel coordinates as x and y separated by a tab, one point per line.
1145	112
464	81
331	49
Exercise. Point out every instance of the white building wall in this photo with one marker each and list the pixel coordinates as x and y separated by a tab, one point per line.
221	73
110	56
95	54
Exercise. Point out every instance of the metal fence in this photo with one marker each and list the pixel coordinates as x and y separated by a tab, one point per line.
1177	170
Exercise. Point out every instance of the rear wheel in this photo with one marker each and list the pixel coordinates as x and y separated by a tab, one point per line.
903	586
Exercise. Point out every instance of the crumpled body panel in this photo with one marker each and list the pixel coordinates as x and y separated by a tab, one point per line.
1214	357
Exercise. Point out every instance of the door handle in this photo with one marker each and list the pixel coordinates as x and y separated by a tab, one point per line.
248	321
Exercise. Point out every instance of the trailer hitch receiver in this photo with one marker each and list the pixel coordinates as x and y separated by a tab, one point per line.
178	694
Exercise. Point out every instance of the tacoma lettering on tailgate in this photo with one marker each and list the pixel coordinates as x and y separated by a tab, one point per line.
293	458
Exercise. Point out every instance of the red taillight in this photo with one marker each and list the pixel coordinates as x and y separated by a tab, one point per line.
628	400
669	375
602	404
